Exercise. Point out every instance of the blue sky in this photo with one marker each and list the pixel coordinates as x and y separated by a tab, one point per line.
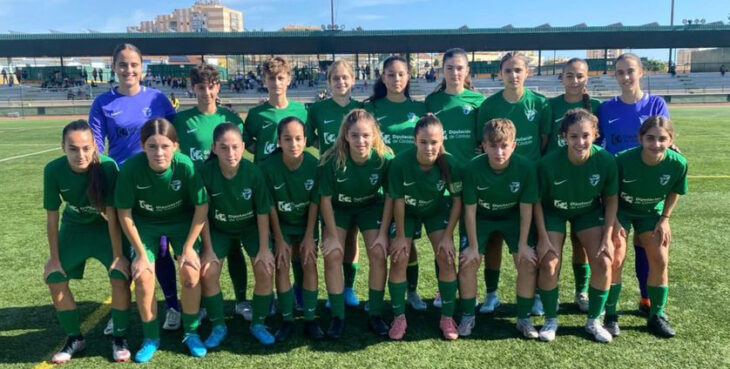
270	15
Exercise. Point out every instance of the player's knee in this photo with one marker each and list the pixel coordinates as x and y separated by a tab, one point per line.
549	265
333	260
189	276
261	272
658	261
525	267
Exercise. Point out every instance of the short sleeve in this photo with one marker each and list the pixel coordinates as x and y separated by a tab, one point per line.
261	195
326	178
111	172
236	119
468	192
482	118
680	187
546	117
543	181
395	181
249	131
197	193
311	127
97	122
530	191
124	193
610	187
457	178
51	198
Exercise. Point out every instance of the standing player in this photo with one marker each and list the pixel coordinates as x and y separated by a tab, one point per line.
574	79
500	189
619	120
261	121
579	184
425	185
117	116
392	107
530	113
323	125
159	194
238	214
651	179
291	177
195	132
455	103
84	180
352	176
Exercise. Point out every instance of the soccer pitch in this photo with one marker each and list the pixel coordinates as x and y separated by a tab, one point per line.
699	293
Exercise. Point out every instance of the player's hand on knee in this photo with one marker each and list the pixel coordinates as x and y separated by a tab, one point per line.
121	264
52	265
207	259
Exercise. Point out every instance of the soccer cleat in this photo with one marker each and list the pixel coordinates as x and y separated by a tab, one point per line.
527	329
644	306
398	328
284	331
217	335
313	331
437	301
262	334
298	301
548	330
595	329
610	323
365	306
377	325
272	307
448	328
337	326
243	308
147	351
659	326
415	301
467	323
195	345
491	302
172	320
581	299
109	329
72	346
120	350
202	314
350	298
537	309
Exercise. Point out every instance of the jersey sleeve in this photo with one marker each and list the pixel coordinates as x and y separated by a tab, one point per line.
601	140
249	130
546	117
469	192
97	121
395	181
236	119
457	180
111	172
261	195
51	197
197	193
680	187
166	108
662	108
543	180
326	179
610	187
482	118
124	193
311	126
530	191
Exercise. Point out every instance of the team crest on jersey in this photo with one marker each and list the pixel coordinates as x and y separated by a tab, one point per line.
269	148
514	187
175	185
560	204
664	179
147	112
440	185
466	109
530	114
219	216
386	139
410	200
411	115
308	184
374	178
594	179
246	194
626	197
329	138
561	141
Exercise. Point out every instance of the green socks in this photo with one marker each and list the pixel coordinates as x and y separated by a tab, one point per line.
582	274
238	273
121	322
337	305
448	297
214	306
260	308
69	321
296	267
309	300
375	300
191	323
612	300
468	306
398	297
286	305
491	279
412	276
151	329
596	302
350	271
524	307
658	298
549	300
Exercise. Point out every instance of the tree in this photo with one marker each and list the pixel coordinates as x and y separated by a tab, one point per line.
652	65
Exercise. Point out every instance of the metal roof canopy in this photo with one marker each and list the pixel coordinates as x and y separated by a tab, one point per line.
350	42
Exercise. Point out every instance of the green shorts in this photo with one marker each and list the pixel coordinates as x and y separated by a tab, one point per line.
643	223
413	224
556	223
79	242
508	227
295	234
176	233
366	218
223	242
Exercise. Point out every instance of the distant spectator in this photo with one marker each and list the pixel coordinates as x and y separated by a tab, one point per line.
723	69
5	76
94	74
175	101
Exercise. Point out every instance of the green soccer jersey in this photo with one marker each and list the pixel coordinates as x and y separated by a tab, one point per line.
424	192
62	183
570	190
458	114
324	119
397	121
498	195
531	117
355	185
261	123
292	190
195	131
234	203
159	197
559	107
643	188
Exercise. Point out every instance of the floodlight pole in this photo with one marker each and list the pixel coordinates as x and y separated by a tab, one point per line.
671	23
